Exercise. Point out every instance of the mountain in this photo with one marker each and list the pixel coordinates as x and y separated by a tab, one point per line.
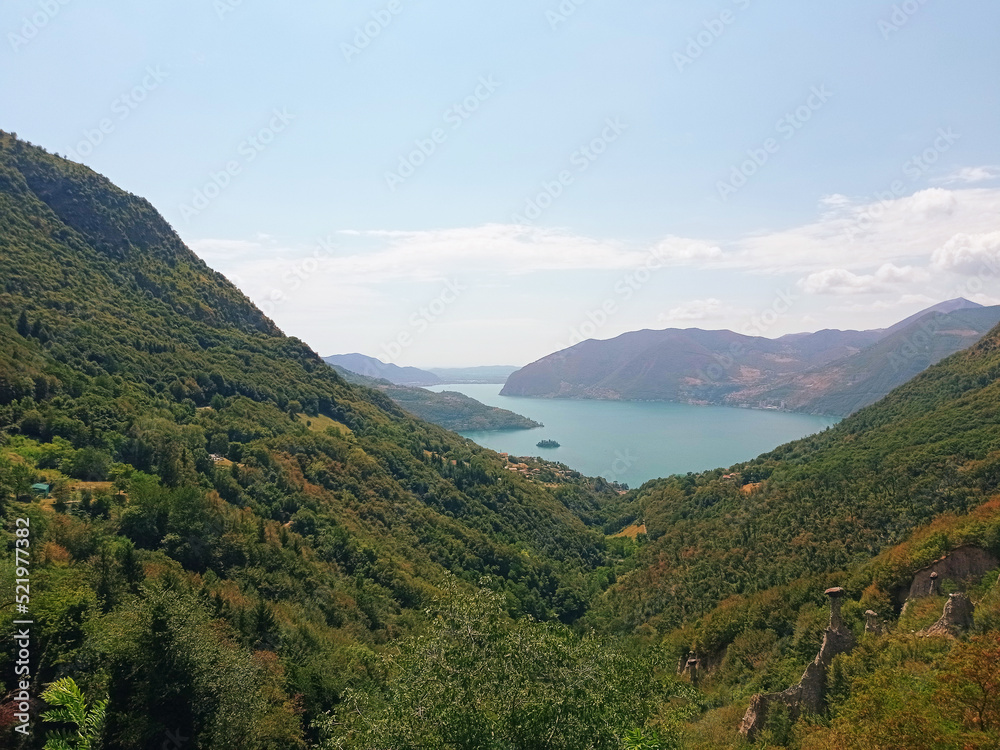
949	306
827	372
375	368
488	374
449	409
234	531
678	365
846	385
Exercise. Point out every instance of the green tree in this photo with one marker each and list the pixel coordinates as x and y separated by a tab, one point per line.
89	464
971	683
649	739
478	680
891	708
72	708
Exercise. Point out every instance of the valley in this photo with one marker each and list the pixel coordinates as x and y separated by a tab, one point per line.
245	548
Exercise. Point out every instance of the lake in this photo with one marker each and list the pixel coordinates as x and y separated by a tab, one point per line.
635	441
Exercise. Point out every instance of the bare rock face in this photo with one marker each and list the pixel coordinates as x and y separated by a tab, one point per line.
961	564
810	694
956	618
760	706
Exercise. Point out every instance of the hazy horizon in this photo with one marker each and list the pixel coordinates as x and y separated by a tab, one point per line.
685	328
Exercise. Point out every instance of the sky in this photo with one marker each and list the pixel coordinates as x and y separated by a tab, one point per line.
474	182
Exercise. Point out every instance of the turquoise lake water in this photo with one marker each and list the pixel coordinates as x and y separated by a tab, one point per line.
633	442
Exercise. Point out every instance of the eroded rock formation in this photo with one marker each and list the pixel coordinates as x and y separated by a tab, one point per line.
956	618
810	694
872	626
960	565
692	669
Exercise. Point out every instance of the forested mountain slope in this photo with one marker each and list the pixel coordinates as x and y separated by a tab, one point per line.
232	520
901	686
690	365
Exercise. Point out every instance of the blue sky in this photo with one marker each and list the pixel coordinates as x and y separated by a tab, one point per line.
477	182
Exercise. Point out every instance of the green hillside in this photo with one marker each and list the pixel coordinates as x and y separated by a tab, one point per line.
232	527
734	564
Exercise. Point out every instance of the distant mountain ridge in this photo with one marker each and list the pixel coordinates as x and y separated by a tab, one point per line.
828	372
949	306
375	368
488	374
415	376
448	409
853	382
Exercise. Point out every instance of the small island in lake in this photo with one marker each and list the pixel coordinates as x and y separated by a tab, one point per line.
547	444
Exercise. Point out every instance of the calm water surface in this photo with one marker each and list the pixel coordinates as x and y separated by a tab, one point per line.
634	442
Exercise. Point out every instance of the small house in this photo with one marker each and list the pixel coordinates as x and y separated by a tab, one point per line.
41	490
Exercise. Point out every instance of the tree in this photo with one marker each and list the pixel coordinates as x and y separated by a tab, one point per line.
19	479
89	464
890	708
72	709
23	326
650	739
479	680
172	668
971	684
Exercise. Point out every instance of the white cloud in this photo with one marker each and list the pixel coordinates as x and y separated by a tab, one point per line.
683	251
856	235
841	281
969	175
836	200
930	203
837	281
849	235
893	274
969	254
504	249
984	299
215	250
699	309
871	257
